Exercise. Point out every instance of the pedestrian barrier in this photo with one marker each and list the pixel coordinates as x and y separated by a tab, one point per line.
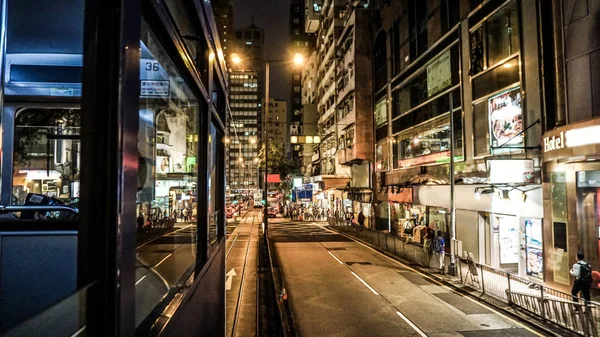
546	303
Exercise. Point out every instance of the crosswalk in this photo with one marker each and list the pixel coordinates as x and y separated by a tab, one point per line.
294	231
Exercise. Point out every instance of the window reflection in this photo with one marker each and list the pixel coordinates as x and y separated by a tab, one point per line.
46	155
167	178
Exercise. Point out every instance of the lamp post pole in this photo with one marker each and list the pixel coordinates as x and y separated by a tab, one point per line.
265	193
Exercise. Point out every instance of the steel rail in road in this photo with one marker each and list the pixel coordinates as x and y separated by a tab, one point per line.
238	234
243	277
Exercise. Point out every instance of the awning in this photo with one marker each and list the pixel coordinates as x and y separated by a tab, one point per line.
273	178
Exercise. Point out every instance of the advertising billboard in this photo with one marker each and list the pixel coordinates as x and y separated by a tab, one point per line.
506	119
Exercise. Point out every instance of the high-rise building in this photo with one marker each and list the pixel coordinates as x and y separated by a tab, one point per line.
249	46
310	165
245	97
244	131
223	12
300	42
276	123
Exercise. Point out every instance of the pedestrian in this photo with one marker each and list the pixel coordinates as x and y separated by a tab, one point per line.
429	237
439	250
361	220
582	272
140	221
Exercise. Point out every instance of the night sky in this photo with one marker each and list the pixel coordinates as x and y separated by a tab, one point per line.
273	17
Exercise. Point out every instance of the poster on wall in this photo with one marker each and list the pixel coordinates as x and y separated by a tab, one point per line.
380	113
509	239
439	75
163	165
534	253
506	119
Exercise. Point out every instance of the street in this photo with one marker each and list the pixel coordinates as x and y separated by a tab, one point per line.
339	287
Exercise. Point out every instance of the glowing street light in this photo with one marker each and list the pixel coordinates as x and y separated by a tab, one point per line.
241	160
252	140
227	140
298	59
256	160
235	58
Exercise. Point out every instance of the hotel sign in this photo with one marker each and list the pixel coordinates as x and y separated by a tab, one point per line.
589	135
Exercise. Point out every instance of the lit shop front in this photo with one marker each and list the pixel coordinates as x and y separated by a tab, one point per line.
571	180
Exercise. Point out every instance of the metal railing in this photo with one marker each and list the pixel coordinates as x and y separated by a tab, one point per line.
548	304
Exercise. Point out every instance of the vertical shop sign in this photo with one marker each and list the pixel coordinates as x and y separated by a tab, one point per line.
534	244
506	120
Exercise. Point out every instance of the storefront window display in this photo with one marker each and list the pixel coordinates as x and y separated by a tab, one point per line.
427	144
412	219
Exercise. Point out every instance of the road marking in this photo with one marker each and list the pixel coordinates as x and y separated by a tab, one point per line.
230	274
163	260
365	283
338	260
439	283
140	280
412	325
78	332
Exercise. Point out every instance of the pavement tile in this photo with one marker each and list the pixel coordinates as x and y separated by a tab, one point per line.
462	304
498	333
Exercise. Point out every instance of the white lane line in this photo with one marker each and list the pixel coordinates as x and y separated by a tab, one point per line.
163	260
412	325
365	283
140	280
441	284
338	260
78	332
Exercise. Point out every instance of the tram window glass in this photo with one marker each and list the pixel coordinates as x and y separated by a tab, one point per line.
46	154
167	179
213	212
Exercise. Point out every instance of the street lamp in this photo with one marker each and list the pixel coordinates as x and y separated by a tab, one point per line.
298	60
235	58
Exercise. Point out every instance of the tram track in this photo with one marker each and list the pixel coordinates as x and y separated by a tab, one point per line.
243	276
238	233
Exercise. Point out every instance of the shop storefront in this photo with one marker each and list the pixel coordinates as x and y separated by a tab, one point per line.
571	180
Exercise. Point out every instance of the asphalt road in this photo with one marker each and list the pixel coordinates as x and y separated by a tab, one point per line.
339	287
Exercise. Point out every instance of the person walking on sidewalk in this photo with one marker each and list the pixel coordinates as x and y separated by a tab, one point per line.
439	250
582	271
361	220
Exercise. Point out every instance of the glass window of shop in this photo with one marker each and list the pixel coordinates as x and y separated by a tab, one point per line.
558	194
427	95
426	144
382	156
167	178
588	221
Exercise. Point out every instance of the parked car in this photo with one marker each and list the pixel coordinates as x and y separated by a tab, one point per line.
272	212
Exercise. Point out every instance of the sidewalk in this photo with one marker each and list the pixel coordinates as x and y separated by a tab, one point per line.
515	295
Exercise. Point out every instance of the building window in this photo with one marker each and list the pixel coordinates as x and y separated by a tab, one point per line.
380	60
429	143
417	23
296	89
257	35
496	39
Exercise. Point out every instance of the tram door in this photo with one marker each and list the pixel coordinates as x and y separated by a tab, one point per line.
41	151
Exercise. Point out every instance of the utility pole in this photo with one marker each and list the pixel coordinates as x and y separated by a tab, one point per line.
265	193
